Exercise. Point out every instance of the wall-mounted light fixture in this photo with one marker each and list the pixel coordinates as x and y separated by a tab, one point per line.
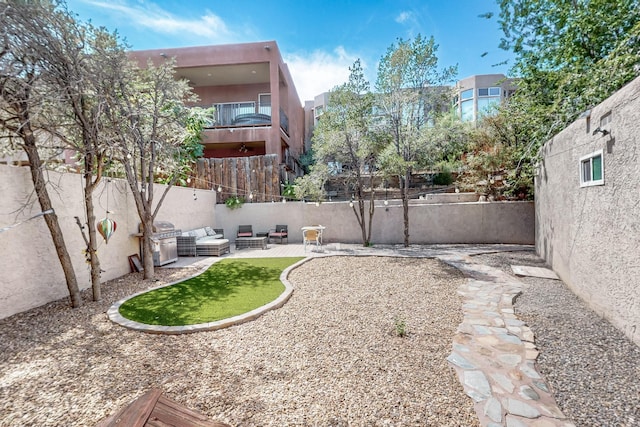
599	130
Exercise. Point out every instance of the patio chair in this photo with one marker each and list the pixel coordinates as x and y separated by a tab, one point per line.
280	232
245	231
310	237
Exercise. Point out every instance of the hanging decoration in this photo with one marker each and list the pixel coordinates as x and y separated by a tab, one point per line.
106	226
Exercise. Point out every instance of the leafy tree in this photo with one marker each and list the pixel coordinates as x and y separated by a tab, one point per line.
311	186
410	95
27	28
154	135
570	55
345	134
75	61
446	141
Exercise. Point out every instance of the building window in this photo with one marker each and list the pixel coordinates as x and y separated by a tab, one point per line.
592	169
466	110
466	94
264	103
489	91
487	105
605	120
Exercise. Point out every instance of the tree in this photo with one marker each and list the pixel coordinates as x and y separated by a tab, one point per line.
570	55
75	62
446	141
410	94
155	137
25	95
345	134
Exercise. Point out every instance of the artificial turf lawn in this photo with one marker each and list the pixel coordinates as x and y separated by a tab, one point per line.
228	288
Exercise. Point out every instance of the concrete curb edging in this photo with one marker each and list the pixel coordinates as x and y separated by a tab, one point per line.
114	311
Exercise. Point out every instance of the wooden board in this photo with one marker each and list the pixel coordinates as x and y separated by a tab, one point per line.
152	409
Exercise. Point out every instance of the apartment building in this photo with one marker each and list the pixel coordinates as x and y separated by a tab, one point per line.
258	110
476	95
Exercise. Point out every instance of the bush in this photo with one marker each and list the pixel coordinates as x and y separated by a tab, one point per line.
443	178
234	202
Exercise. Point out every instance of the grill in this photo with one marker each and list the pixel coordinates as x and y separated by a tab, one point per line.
164	243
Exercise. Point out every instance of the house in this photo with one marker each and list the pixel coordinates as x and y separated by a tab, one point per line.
475	95
258	110
587	208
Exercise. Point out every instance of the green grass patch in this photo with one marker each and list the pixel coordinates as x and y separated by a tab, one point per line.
228	288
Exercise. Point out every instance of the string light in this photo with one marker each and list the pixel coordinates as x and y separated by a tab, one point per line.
251	195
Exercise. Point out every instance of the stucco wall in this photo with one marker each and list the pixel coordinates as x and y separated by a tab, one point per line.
591	235
495	222
30	273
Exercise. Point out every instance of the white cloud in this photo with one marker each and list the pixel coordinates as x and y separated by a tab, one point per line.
153	17
319	71
404	17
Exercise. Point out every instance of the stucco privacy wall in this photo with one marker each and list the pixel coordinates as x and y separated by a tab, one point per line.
591	235
30	273
430	223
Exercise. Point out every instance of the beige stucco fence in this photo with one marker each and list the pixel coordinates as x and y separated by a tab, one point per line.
590	235
30	273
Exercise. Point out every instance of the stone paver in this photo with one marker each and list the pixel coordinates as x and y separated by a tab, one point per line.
493	352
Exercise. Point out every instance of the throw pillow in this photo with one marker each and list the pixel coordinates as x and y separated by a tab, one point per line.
209	231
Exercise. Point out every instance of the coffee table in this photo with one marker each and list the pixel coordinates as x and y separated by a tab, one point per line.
251	242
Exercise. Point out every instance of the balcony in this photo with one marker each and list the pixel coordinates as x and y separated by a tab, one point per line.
284	122
245	114
241	114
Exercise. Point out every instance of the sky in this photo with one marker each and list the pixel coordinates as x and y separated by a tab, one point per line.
319	40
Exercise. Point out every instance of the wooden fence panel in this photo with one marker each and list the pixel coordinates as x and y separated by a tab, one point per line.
241	176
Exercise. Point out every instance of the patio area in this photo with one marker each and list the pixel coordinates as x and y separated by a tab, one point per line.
328	357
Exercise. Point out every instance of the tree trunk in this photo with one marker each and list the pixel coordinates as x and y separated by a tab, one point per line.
93	241
147	247
404	184
372	208
51	220
363	224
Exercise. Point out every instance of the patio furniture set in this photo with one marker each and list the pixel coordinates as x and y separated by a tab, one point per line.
207	241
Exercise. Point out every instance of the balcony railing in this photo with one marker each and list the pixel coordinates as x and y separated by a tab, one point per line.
227	113
244	113
284	121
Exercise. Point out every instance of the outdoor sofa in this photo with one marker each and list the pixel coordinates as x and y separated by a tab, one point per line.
205	241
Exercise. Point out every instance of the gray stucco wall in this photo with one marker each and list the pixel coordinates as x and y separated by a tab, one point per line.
591	235
30	273
429	223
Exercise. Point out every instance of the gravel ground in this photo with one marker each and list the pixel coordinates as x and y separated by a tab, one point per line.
593	368
329	357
